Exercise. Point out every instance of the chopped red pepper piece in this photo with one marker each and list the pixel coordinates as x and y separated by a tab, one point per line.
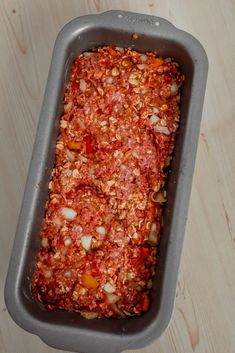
146	302
89	145
145	252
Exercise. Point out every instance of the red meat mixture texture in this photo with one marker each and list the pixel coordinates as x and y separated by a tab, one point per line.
103	217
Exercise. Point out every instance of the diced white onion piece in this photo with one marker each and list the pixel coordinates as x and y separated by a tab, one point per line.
137	90
80	123
112	119
116	154
109	80
141	66
162	130
67	274
135	236
112	298
143	58
119	48
153	239
155	110
101	230
86	242
63	124
159	197
44	242
82	85
154	227
136	172
89	315
130	275
75	173
154	119
70	155
135	154
48	274
134	75
67	241
68	213
83	159
68	106
133	81
110	182
144	90
108	287
118	311
174	88
115	72
87	53
57	222
57	255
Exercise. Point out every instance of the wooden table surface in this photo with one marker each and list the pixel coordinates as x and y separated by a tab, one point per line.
204	315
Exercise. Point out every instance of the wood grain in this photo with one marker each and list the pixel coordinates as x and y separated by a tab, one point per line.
204	316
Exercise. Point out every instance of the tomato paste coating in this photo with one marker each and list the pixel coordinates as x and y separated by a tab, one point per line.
103	217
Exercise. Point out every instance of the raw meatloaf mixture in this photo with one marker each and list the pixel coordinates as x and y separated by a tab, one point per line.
103	217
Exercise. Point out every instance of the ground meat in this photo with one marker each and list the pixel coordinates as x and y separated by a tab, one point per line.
103	216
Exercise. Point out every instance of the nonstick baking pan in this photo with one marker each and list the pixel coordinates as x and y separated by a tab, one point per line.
68	330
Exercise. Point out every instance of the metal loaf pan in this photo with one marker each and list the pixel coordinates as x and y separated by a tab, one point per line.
68	330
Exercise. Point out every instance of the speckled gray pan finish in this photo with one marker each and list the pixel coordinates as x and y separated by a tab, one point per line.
68	330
